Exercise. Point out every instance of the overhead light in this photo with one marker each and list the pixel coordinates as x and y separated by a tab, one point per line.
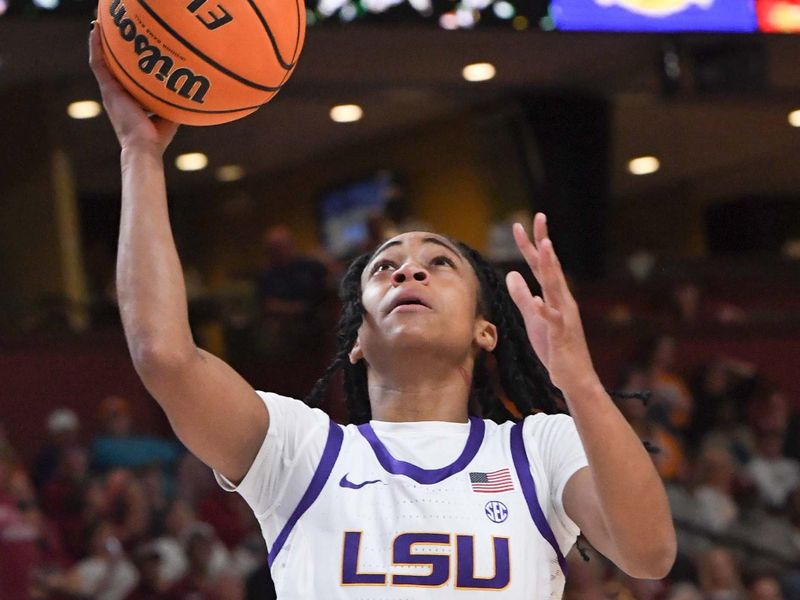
794	118
479	72
448	21
520	23
84	109
3	7
504	10
192	161
346	113
228	173
46	4
644	165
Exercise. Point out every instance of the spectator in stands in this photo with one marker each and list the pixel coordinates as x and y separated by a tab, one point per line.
722	389
716	472
18	532
702	506
691	305
671	402
765	587
668	457
199	582
684	590
63	499
62	429
179	524
128	507
291	289
151	584
719	576
762	542
117	445
106	574
776	476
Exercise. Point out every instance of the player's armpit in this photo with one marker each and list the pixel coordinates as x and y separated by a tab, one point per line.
215	413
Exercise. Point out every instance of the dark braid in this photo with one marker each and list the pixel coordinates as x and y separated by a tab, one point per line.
522	376
355	376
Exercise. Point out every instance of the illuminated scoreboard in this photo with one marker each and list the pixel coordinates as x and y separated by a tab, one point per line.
655	15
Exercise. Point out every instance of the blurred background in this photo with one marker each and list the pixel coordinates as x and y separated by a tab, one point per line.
661	139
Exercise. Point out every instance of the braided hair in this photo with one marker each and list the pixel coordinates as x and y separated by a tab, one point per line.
522	376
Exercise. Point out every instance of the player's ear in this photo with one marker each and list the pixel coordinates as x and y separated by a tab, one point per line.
356	354
485	334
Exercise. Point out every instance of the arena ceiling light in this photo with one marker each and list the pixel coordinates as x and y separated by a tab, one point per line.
346	113
84	109
228	173
794	118
644	165
475	72
192	161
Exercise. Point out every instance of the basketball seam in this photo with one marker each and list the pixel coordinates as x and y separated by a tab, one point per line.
148	92
296	45
271	37
201	55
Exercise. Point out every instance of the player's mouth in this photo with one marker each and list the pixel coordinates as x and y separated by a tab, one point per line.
408	302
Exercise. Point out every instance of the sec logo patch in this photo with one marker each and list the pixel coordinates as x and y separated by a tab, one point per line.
496	511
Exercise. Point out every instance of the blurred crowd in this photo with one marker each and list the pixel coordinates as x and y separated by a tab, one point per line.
120	514
725	442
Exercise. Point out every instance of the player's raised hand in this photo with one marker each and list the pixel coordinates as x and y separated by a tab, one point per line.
131	123
553	322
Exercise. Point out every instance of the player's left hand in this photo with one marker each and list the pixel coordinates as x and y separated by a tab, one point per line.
553	322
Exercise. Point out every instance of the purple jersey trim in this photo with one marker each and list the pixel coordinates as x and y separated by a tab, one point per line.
329	455
523	469
418	474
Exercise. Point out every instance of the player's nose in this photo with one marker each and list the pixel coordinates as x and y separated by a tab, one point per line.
409	271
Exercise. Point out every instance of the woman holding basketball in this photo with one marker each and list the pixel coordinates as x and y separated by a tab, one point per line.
419	497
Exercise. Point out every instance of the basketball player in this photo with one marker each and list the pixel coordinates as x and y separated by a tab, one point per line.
418	497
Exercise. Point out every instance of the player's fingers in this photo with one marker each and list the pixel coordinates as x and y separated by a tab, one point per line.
539	228
529	252
96	61
519	291
554	283
548	313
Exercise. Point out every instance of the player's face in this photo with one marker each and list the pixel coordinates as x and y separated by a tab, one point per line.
418	291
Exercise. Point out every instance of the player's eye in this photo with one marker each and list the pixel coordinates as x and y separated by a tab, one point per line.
382	265
443	260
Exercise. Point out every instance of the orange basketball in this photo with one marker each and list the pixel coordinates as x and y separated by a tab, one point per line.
202	62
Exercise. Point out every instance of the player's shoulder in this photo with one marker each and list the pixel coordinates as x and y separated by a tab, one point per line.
292	409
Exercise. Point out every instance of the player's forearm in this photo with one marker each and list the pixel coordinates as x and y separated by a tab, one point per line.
632	496
150	284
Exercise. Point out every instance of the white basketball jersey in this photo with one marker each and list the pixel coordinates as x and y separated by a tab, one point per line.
377	527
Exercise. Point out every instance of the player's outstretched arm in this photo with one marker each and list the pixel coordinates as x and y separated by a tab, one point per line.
618	501
214	412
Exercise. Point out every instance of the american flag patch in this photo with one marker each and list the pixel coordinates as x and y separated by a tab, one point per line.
492	482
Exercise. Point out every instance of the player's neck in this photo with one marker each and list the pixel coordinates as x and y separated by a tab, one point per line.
439	396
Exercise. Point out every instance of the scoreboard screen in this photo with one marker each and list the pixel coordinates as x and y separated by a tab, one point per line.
733	16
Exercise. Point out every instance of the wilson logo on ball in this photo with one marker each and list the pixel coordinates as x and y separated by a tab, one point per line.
216	20
184	82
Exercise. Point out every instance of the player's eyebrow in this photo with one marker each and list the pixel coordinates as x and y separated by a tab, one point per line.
428	239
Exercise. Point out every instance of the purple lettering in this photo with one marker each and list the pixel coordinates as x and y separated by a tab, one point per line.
465	557
350	574
439	563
